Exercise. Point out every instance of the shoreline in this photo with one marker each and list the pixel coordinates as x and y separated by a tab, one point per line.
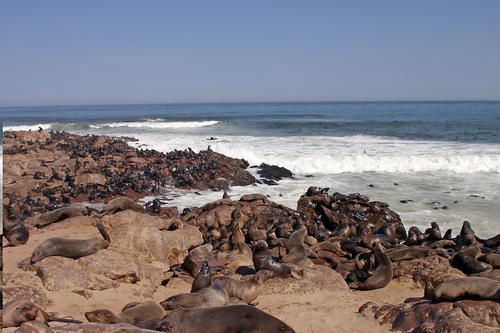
46	171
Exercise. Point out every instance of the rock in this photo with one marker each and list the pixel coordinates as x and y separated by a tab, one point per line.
91	178
196	258
59	273
111	264
273	172
31	293
426	271
143	236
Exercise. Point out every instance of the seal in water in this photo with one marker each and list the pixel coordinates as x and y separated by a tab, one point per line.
234	318
247	290
70	248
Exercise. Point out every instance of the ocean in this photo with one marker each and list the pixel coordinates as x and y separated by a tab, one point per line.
431	161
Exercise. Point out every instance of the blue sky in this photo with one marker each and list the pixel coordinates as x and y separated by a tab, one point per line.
92	52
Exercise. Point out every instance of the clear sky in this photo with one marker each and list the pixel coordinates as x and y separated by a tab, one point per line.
92	52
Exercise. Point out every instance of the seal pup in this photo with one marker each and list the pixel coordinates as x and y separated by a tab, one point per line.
234	318
383	272
263	259
468	287
215	295
246	290
70	248
122	203
15	232
20	311
296	251
147	310
203	279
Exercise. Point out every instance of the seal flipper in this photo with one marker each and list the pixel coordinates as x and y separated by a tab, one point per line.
103	232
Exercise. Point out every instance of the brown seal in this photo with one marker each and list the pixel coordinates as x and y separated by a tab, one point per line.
263	259
296	251
466	261
70	248
215	295
468	287
147	310
122	203
58	215
383	272
20	311
234	318
491	258
203	279
15	232
414	252
246	290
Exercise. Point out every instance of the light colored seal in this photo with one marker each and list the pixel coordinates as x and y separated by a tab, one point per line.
234	318
246	290
215	295
468	287
122	203
203	279
143	311
296	251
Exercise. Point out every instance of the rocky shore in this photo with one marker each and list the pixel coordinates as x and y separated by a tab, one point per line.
82	254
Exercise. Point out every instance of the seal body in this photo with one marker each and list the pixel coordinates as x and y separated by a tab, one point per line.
215	295
17	312
70	248
295	247
58	215
148	310
263	259
203	279
122	203
234	318
383	272
247	290
468	287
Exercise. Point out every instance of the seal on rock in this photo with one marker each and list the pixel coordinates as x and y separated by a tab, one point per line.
215	295
263	259
295	247
203	279
247	290
147	310
58	215
70	248
234	318
468	287
383	272
122	203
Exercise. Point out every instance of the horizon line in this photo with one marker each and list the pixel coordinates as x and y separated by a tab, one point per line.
262	102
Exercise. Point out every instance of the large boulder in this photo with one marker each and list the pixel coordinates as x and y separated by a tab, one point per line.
112	265
147	237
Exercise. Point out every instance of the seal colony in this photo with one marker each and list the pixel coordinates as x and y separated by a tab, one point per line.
231	253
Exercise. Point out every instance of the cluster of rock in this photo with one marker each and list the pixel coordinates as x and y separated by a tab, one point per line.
44	171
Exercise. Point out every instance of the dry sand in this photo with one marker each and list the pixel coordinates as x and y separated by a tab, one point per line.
309	311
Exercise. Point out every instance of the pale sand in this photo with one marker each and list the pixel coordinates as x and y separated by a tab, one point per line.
310	311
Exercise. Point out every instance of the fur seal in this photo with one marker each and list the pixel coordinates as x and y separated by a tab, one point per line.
234	318
20	311
203	279
433	233
215	295
247	290
70	248
263	259
296	251
415	237
468	287
383	272
15	232
58	215
122	203
147	310
416	252
491	258
466	261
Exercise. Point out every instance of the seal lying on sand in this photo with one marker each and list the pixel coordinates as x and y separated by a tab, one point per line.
468	287
247	290
215	295
70	248
20	311
383	272
235	318
148	310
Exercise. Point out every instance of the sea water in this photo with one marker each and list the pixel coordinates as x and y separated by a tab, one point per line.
430	161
